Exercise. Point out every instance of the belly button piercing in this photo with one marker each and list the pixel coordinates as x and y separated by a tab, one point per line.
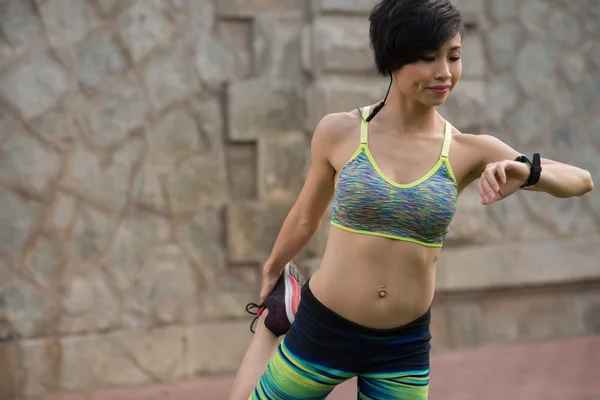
382	293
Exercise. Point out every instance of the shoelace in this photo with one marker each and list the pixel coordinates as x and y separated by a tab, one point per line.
254	309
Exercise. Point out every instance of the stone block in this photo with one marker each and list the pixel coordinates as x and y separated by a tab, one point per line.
503	42
472	10
342	6
474	60
99	181
19	23
233	289
25	160
465	106
534	16
217	347
28	311
169	79
123	108
46	262
502	98
67	21
234	37
98	58
587	312
588	96
209	115
283	162
535	65
502	10
176	133
250	8
336	94
253	228
198	181
35	85
108	6
281	108
214	62
122	358
341	43
531	119
142	27
519	318
565	27
277	47
464	324
17	216
470	221
57	128
242	164
510	265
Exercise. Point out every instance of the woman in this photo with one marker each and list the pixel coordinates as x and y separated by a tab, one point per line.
394	173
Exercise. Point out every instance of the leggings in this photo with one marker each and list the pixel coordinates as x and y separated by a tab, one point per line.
322	349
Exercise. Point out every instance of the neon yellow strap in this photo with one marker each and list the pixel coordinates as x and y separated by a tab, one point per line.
364	126
447	140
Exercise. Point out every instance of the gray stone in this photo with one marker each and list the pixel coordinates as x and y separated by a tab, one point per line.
587	309
233	289
16	218
470	222
99	182
534	15
39	358
26	161
563	100
503	9
99	58
207	339
283	162
474	62
57	128
46	263
165	284
123	108
63	211
199	181
565	27
596	54
589	95
533	119
503	42
67	21
471	10
169	79
341	43
282	108
594	130
147	185
34	86
249	8
18	21
209	116
132	245
466	106
175	133
142	27
27	310
214	62
234	37
574	66
342	6
512	211
277	46
242	167
566	137
108	6
589	159
253	228
502	98
200	21
91	233
535	66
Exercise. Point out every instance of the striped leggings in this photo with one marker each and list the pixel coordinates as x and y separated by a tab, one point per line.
322	350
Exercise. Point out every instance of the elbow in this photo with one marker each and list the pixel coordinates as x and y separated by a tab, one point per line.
587	184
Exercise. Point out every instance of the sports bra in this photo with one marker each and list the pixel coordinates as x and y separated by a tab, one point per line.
365	201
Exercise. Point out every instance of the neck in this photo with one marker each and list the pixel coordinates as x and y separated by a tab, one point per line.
408	116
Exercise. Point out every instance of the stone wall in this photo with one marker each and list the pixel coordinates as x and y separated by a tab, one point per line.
149	151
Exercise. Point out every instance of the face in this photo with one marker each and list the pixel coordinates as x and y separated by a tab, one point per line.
431	79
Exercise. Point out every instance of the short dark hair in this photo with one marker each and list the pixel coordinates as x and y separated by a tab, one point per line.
403	30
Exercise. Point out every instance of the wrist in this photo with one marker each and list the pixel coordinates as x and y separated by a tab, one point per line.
271	270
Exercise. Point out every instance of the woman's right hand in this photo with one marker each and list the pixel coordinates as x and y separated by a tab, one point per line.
268	283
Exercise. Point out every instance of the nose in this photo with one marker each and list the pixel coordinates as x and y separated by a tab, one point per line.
443	72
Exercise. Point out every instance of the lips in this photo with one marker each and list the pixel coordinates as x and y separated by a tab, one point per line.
440	90
439	87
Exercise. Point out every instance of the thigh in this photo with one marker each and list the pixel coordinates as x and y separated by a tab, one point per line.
289	377
412	385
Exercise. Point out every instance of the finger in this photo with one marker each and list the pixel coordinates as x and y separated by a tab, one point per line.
486	191
501	172
490	175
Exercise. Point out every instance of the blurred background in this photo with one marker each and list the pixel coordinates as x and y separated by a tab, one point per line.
150	149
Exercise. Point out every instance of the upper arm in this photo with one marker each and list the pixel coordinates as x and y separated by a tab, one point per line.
317	190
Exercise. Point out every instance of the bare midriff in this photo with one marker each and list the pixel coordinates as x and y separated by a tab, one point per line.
374	281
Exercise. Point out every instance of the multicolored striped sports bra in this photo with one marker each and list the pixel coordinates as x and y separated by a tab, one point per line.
367	202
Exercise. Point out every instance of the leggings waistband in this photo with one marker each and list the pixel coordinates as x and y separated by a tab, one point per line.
318	310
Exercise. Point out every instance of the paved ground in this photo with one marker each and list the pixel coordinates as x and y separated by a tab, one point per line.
557	370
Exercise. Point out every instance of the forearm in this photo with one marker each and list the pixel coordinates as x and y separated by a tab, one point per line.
562	180
294	235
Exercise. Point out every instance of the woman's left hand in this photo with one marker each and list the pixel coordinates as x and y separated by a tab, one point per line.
501	179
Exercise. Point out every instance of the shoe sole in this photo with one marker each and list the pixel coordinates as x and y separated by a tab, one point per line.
292	292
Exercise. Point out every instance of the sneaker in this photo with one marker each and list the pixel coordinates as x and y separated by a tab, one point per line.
282	303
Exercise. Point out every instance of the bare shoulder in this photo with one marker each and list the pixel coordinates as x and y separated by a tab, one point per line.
479	142
335	127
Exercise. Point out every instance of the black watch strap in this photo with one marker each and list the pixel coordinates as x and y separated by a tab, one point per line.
535	168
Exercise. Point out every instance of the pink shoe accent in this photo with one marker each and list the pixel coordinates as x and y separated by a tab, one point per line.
296	290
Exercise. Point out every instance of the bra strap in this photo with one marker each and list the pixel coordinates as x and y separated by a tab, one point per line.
447	140
364	126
